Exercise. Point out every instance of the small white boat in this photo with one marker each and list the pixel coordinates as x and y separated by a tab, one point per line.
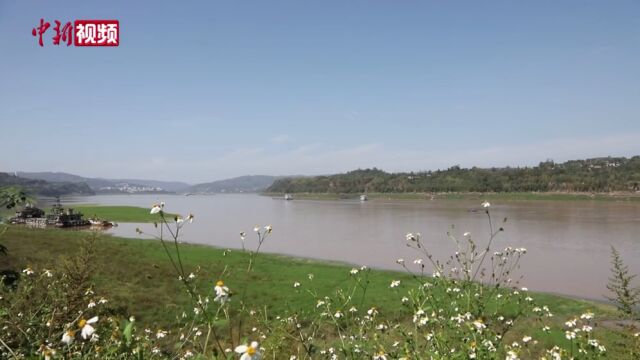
103	223
364	197
288	197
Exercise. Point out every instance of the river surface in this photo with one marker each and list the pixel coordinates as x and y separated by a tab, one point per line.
568	242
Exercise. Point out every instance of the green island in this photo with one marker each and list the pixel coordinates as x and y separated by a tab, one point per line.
132	214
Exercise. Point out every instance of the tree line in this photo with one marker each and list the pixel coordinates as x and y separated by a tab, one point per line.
591	175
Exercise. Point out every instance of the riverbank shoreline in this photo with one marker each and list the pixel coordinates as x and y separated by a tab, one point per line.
292	258
547	196
136	277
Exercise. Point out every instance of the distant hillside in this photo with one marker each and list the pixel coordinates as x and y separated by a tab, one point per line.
45	188
591	175
241	184
110	185
65	177
173	186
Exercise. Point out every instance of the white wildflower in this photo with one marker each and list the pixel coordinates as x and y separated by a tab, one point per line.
249	352
222	292
587	316
86	328
68	336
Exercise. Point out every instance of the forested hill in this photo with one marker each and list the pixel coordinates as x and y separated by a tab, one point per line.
241	184
591	175
45	188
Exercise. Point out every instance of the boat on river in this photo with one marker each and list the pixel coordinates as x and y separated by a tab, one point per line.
101	223
59	217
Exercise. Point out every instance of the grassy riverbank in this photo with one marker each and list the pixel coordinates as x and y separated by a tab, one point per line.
525	196
119	213
137	278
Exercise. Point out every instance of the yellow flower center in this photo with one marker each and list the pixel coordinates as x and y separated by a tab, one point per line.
220	283
82	323
251	350
71	333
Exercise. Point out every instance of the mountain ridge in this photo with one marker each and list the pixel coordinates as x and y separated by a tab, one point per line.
45	188
108	185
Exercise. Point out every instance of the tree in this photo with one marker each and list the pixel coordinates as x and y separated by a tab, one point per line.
625	296
10	197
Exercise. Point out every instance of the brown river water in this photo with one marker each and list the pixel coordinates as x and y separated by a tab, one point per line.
568	242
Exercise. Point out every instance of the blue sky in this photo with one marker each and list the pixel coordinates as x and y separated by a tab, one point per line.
203	90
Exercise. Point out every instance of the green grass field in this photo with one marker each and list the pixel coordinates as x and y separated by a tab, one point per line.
119	213
137	278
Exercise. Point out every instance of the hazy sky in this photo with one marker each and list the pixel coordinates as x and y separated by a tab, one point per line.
203	90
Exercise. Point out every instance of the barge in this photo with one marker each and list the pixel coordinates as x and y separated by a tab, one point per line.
59	217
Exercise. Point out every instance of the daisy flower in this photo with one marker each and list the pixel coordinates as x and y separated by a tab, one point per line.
86	330
68	336
156	209
222	292
249	352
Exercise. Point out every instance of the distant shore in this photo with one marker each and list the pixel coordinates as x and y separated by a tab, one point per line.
516	196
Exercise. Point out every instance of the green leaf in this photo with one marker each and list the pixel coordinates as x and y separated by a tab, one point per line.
128	333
